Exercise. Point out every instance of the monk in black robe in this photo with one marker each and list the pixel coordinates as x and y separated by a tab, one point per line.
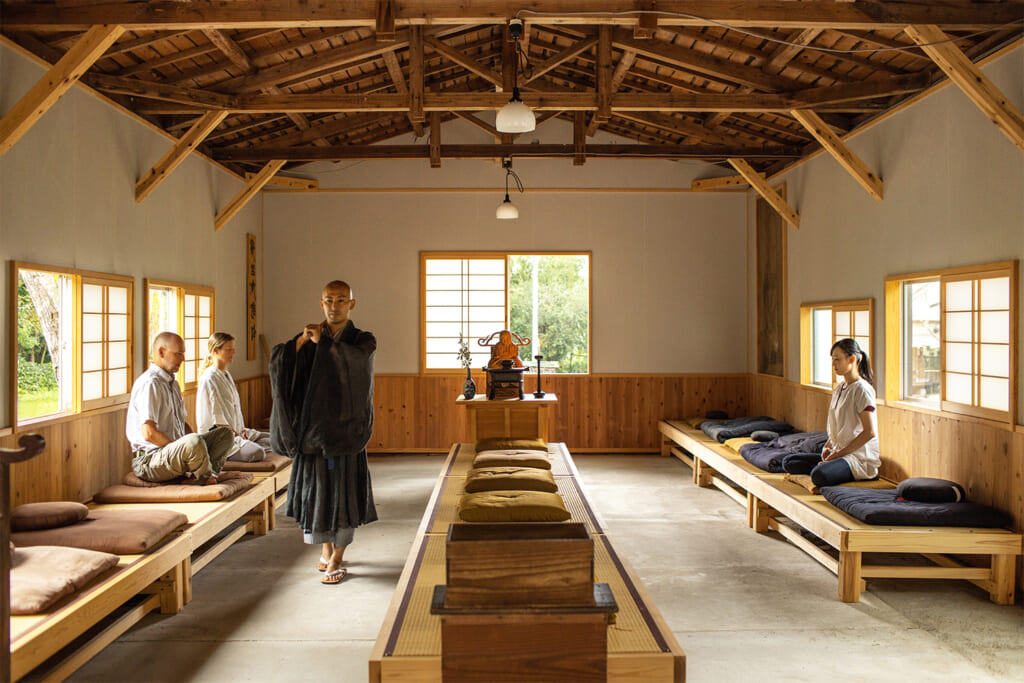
322	386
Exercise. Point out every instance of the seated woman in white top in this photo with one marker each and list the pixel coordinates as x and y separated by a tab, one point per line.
851	452
217	401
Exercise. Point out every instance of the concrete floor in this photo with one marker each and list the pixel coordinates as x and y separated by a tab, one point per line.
744	607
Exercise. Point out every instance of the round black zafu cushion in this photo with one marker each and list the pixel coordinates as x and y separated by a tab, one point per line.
764	435
716	415
929	490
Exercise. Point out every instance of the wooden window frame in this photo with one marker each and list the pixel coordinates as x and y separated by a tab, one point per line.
453	255
78	278
894	336
181	291
807	331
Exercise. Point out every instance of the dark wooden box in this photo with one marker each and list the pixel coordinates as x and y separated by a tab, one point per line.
529	564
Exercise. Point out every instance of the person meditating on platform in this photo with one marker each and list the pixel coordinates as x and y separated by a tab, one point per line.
217	401
322	386
851	452
163	444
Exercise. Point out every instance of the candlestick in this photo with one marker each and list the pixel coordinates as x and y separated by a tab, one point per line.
538	393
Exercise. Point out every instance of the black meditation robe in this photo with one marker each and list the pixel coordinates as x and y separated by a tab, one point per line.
323	417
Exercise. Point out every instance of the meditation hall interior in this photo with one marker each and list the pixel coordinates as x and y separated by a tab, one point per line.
693	327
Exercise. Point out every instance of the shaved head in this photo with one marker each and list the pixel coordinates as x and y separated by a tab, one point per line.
168	351
337	284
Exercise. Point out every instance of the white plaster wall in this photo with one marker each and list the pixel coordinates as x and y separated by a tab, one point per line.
668	268
954	196
67	198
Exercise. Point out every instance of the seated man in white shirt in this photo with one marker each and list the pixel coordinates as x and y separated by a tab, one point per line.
163	444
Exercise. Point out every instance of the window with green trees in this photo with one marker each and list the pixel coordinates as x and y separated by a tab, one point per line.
72	340
544	297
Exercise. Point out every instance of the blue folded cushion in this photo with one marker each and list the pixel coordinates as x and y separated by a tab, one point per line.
764	435
882	506
930	490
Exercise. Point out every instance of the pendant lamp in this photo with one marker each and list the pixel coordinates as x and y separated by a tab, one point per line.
507	210
515	117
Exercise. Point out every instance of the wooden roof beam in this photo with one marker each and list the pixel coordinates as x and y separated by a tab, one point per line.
718	67
61	76
553	98
718	183
492	151
289	182
158	91
169	15
970	79
232	50
384	28
435	139
758	182
822	132
395	71
464	61
565	55
254	185
177	154
417	86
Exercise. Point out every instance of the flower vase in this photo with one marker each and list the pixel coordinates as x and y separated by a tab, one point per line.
469	387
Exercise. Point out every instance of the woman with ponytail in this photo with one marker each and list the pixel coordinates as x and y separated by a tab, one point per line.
851	452
217	402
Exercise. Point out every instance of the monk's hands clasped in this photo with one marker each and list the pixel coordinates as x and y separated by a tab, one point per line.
312	332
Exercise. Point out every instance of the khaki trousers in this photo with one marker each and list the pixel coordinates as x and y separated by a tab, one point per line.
201	455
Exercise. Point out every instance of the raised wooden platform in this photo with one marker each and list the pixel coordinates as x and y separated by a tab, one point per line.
164	574
769	497
641	647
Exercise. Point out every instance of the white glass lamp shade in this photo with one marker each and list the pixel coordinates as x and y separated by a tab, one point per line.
506	210
515	117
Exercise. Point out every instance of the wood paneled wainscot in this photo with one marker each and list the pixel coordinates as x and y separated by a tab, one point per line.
986	457
602	413
88	451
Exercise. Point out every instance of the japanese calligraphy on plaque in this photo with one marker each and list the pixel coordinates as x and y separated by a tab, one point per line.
250	297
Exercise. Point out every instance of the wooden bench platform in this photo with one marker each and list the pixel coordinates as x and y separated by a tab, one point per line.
164	574
408	647
768	498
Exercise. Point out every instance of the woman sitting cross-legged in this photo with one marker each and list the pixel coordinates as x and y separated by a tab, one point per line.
217	401
851	452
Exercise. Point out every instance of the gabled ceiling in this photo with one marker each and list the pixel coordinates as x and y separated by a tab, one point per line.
296	81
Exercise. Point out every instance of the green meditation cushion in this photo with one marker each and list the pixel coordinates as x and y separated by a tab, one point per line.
510	479
512	506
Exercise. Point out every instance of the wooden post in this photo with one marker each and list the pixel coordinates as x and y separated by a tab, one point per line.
849	575
31	446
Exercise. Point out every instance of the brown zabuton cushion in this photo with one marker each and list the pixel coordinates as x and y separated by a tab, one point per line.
512	506
501	443
32	516
512	458
122	532
272	463
230	484
43	575
510	479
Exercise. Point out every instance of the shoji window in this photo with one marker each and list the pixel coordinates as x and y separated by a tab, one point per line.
71	340
187	310
822	325
106	340
953	334
542	296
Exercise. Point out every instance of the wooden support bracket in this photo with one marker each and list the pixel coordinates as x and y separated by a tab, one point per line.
827	138
758	182
61	76
969	78
247	193
178	153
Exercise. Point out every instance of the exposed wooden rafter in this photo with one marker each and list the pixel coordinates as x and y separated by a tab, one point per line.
969	78
758	182
254	185
840	151
64	74
171	16
176	154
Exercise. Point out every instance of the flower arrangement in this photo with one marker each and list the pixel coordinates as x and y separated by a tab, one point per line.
464	356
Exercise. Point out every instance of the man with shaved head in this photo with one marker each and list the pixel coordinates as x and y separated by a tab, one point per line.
163	444
322	385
